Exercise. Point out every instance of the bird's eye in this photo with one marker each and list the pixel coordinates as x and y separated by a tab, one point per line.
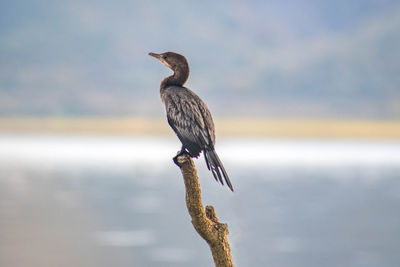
164	57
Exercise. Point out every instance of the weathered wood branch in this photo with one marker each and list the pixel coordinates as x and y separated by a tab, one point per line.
205	221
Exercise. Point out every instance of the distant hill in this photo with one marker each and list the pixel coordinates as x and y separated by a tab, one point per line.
321	59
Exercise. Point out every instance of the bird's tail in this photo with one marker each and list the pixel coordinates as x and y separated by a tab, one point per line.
214	164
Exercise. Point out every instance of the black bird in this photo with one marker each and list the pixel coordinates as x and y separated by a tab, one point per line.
188	116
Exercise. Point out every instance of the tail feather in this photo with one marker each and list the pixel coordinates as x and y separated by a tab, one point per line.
210	166
214	164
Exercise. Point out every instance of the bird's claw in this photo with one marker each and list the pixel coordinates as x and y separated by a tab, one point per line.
180	153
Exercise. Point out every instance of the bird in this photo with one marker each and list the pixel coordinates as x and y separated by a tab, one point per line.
189	116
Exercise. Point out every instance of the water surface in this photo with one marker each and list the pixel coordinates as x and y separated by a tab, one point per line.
119	201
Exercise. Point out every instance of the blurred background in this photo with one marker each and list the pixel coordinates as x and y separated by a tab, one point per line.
306	100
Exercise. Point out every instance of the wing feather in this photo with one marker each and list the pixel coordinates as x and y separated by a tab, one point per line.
190	119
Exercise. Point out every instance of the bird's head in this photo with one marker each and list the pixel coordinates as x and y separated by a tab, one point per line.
172	60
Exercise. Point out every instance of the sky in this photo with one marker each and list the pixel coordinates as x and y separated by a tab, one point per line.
307	59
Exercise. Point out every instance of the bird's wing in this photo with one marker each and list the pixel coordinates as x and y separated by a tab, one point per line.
185	117
208	121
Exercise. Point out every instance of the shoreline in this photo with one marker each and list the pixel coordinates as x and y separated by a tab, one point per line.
227	127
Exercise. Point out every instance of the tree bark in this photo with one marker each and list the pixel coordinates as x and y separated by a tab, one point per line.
205	221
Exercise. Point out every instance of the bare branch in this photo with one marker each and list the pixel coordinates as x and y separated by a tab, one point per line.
205	221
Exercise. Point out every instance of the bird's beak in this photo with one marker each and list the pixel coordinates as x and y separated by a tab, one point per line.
157	56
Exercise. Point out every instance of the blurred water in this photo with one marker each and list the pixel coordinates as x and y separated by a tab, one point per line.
118	201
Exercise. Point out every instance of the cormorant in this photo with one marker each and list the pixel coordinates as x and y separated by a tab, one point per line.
188	116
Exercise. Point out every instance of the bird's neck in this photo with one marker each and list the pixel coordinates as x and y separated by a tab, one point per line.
179	77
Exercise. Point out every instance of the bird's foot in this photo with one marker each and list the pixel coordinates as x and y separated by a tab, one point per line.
180	153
